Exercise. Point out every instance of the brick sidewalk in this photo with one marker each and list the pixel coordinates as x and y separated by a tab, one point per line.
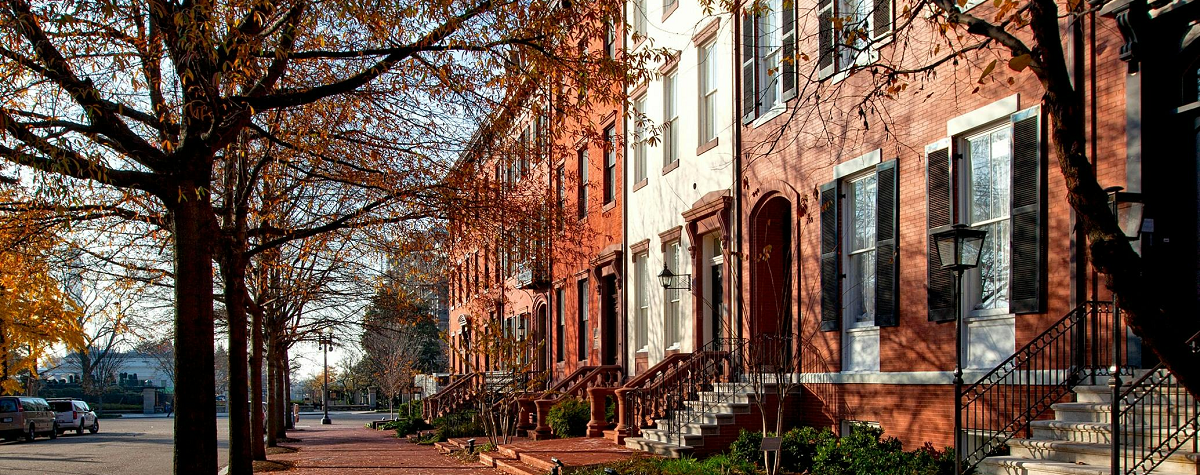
361	451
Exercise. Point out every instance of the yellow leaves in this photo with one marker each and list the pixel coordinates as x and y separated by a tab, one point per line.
987	71
1019	63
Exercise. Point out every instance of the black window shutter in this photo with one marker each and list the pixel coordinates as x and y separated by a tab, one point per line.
825	38
788	33
882	18
887	259
749	89
1028	263
831	276
939	209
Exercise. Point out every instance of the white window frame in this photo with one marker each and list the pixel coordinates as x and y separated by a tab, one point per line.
708	91
670	118
971	295
673	298
852	277
770	49
641	265
640	145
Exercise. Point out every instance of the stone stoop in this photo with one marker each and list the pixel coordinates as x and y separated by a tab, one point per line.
534	458
1077	442
718	425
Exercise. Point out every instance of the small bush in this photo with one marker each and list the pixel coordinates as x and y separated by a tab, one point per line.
799	445
405	426
746	448
458	424
723	464
569	418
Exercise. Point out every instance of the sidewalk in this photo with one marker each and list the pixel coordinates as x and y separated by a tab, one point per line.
330	450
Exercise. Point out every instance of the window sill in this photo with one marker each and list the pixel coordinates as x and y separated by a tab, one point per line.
669	10
640	184
643	350
673	347
608	206
711	144
667	169
863	329
990	316
771	114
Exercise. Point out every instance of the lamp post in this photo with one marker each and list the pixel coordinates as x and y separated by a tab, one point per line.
325	341
958	250
667	279
1127	210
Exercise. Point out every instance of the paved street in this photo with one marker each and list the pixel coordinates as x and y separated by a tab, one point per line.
129	446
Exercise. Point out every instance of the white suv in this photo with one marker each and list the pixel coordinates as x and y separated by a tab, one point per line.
73	414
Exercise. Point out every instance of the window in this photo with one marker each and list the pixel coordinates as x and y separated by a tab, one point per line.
768	58
708	92
670	119
859	263
770	46
639	137
642	286
1001	183
863	25
988	162
561	194
610	165
861	214
582	191
583	319
610	40
638	8
560	337
674	298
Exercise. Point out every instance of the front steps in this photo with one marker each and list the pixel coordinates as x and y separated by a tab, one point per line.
536	457
713	430
1077	442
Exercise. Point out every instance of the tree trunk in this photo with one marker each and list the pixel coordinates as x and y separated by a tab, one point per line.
258	450
273	421
1110	252
286	390
234	273
195	385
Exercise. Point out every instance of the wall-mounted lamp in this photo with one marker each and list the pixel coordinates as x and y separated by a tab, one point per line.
668	279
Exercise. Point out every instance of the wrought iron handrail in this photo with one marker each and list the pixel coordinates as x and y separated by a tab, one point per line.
1001	405
431	405
645	396
457	395
1157	417
720	371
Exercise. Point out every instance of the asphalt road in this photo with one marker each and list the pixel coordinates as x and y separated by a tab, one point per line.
128	446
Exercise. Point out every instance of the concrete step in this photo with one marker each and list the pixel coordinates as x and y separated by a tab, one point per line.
658	448
489	459
720	407
739	397
1102	394
659	435
517	467
1089	454
1100	412
1091	432
712	418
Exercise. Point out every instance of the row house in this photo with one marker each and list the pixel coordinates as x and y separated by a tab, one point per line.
774	193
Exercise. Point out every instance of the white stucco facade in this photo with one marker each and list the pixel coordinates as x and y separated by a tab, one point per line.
659	192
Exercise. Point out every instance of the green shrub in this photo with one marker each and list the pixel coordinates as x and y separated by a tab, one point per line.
610	408
746	448
723	464
404	426
569	418
799	445
458	424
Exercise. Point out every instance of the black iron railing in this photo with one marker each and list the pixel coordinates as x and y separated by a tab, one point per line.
1157	417
1075	350
716	371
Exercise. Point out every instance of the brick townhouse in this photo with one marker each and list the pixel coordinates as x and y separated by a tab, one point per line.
786	206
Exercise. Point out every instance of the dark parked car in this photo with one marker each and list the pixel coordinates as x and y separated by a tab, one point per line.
73	414
27	417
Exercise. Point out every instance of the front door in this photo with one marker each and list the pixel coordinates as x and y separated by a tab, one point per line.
718	299
608	309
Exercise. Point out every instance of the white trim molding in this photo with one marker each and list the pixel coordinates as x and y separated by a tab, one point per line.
1000	109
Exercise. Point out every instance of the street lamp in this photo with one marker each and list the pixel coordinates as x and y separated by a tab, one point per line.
325	341
958	250
1127	210
667	278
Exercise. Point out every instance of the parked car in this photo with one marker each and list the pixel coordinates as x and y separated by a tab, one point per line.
73	414
27	417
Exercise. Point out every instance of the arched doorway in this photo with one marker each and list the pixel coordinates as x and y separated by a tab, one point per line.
771	267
